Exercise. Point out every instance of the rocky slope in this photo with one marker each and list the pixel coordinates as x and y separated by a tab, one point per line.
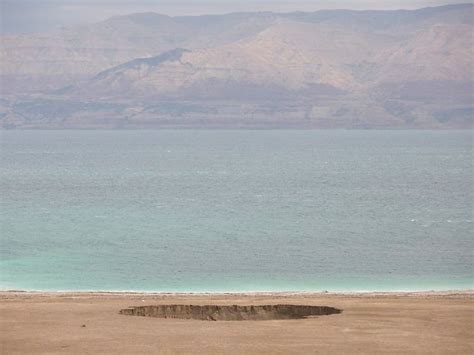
324	69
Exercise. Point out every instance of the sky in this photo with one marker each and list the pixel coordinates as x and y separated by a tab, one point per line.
42	15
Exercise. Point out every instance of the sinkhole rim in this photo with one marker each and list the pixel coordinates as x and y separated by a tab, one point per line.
215	312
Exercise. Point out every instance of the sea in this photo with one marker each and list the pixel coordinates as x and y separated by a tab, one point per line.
237	210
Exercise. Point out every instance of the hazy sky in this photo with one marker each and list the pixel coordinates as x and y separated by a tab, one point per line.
41	15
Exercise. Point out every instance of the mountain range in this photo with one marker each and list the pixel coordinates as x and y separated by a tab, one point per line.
326	69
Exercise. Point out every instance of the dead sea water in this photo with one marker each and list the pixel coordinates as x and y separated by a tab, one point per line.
213	210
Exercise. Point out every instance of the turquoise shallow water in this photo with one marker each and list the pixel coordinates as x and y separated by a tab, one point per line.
216	211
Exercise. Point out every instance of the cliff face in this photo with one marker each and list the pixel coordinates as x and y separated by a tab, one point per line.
324	69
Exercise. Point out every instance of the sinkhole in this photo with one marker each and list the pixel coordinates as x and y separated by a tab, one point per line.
230	312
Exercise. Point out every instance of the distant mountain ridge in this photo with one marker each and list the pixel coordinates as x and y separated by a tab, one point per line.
333	68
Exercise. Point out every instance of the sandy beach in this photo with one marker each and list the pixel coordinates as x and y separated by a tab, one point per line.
90	323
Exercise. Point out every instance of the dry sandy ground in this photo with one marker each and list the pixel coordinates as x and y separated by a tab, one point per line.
42	323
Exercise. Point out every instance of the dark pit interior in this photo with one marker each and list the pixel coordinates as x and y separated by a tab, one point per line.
229	313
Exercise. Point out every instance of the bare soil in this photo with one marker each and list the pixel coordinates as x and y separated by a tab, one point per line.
91	323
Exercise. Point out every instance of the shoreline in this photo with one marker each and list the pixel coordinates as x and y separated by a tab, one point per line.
469	292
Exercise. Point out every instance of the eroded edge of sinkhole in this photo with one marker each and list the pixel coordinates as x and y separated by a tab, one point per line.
230	312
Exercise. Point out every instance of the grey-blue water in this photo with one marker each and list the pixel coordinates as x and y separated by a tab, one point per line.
217	211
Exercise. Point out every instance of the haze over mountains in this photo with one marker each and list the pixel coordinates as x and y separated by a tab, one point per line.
335	68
